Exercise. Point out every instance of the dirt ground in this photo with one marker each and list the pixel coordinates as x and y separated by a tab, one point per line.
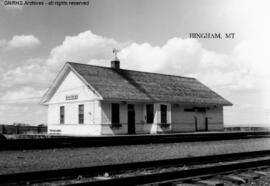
34	160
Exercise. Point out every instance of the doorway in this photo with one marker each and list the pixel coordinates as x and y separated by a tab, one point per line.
131	119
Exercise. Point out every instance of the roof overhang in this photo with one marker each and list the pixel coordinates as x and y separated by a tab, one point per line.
164	101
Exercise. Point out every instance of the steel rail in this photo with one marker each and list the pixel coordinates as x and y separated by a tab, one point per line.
176	175
62	174
74	142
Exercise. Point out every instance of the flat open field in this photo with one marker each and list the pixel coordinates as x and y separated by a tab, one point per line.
34	160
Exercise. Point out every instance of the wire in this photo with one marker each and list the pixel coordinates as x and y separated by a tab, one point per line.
38	97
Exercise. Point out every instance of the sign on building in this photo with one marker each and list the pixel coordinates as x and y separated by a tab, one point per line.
72	97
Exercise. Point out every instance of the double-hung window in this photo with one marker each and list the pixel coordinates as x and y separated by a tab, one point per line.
81	114
62	114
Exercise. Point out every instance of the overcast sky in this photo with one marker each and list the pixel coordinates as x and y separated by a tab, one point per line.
152	35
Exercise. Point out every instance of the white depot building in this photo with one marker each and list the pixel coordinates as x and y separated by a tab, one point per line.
91	100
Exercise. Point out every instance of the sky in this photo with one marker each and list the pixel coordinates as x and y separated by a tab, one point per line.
152	36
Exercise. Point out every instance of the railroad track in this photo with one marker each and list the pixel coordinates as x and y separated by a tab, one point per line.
65	142
160	172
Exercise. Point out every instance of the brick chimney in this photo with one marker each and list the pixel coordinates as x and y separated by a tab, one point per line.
115	63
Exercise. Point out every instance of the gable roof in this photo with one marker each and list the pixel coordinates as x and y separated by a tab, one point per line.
127	85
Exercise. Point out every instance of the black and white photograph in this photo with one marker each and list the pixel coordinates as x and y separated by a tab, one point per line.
135	92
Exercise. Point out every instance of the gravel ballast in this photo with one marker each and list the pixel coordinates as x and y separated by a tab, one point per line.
35	160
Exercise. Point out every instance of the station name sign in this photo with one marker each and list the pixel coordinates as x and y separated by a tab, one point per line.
72	97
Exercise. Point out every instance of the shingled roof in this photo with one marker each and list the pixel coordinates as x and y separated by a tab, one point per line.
125	85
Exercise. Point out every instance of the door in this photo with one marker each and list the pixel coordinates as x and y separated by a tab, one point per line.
131	119
163	113
206	124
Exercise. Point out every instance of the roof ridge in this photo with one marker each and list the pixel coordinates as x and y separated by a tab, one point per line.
155	73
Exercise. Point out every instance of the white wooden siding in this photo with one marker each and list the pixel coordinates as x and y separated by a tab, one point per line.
184	121
215	121
72	85
75	130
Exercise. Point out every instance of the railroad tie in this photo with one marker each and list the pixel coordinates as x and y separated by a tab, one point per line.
250	176
266	179
211	182
263	173
184	184
234	179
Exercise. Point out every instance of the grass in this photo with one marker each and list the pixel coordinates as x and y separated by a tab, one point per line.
34	160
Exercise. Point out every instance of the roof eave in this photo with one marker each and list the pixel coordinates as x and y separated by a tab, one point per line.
45	98
166	101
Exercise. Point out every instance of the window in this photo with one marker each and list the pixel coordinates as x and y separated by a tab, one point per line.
115	113
163	113
81	114
62	115
149	113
